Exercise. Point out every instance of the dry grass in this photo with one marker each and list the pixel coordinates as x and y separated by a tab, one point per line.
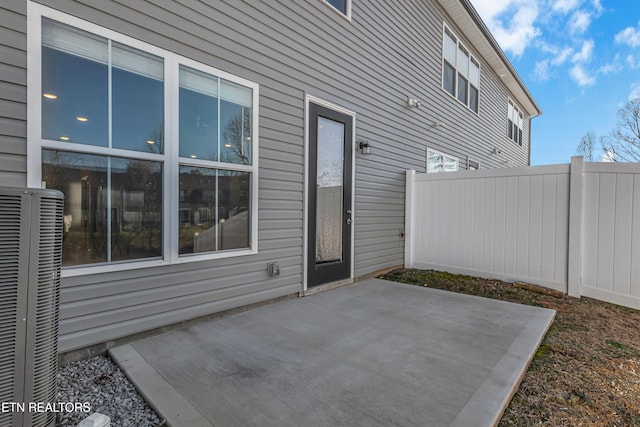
586	371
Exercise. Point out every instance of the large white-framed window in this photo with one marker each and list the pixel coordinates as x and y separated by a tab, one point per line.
341	6
441	162
156	153
515	123
460	71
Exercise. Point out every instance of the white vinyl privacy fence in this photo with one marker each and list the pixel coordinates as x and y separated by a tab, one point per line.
573	228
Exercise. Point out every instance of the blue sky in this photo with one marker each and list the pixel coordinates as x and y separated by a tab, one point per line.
579	58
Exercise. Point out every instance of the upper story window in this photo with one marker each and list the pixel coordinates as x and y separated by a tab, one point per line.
440	162
342	6
460	71
155	153
515	123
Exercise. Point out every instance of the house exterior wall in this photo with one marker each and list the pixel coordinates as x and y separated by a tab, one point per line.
13	93
369	65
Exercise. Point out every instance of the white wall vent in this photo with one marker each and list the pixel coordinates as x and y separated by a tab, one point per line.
30	261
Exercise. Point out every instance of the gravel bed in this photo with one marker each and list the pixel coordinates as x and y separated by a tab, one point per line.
101	384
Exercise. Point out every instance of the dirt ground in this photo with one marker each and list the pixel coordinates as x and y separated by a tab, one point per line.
586	371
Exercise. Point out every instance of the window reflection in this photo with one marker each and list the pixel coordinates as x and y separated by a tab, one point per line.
81	90
473	98
435	162
235	123
138	100
83	180
198	115
462	89
111	96
213	210
76	67
215	118
341	5
131	208
449	79
136	206
450	164
329	190
438	162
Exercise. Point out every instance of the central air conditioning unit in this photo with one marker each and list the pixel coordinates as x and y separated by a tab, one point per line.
31	224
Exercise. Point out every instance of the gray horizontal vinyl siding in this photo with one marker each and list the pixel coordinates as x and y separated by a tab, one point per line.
13	93
388	52
103	307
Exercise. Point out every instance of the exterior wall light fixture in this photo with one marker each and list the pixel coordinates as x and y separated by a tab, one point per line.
413	103
365	148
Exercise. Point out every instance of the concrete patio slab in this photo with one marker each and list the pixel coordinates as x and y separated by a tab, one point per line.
375	353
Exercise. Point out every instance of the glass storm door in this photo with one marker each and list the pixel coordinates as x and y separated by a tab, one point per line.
330	220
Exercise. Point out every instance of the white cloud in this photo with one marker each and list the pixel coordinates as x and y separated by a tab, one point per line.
597	5
613	67
546	47
579	22
541	71
629	36
632	61
516	31
557	29
562	56
585	53
635	91
607	68
565	6
580	76
488	9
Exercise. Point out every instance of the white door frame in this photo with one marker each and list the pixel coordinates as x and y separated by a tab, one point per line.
312	99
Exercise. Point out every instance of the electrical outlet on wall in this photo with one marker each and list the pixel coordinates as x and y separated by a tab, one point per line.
273	269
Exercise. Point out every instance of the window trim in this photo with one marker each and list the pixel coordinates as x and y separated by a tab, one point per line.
346	15
519	111
170	159
456	75
431	150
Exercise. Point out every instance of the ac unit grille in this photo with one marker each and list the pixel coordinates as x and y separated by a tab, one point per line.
31	228
49	245
10	213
